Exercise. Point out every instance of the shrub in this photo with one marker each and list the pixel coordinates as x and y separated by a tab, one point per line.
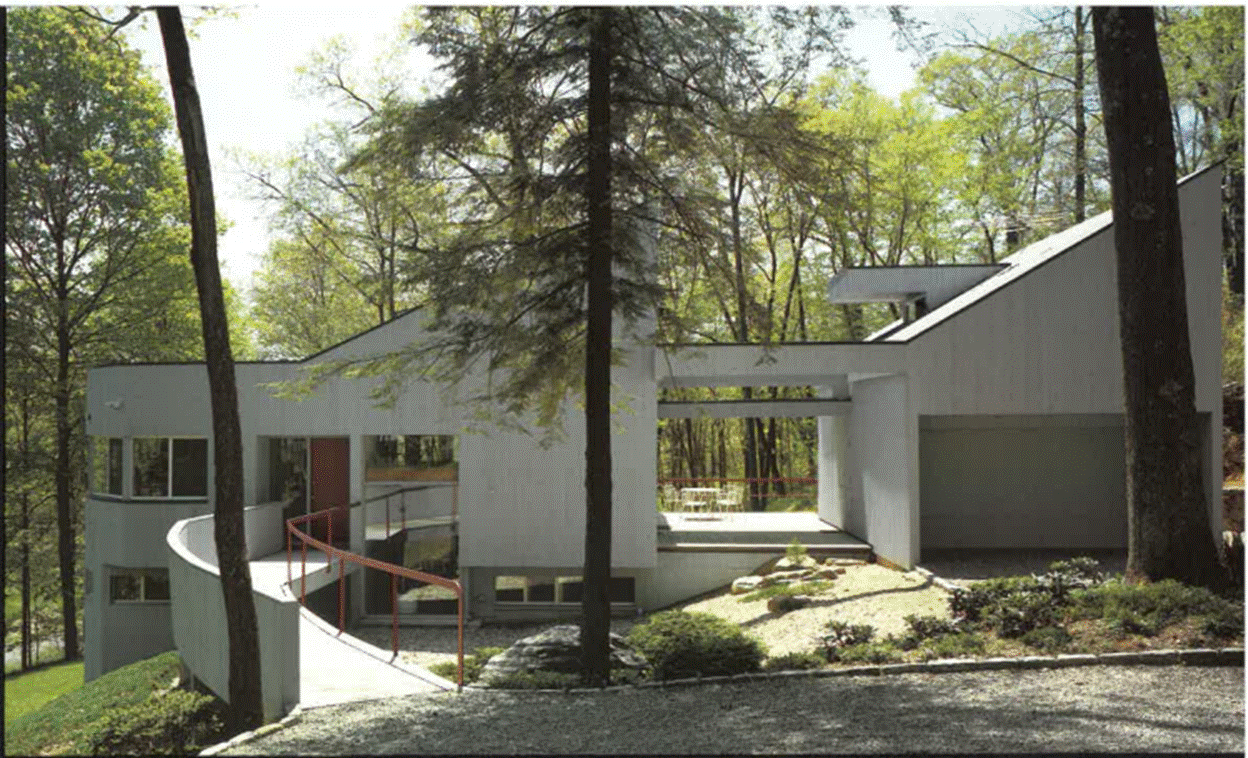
1019	612
1126	621
883	651
171	723
1049	639
679	644
926	627
841	636
1225	623
1154	604
957	645
973	603
536	680
1077	572
796	550
796	588
794	661
473	665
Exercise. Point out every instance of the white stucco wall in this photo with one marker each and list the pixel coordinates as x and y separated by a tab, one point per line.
885	453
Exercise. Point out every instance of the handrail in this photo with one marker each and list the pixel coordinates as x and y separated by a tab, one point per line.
395	571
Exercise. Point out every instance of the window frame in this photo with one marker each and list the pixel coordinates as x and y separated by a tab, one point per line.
102	467
169	470
143	575
558	585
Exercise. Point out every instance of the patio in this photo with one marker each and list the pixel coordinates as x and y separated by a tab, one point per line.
756	532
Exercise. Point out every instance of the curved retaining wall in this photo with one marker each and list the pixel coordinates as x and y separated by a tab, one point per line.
198	610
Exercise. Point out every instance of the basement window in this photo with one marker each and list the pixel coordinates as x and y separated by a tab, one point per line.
562	589
139	586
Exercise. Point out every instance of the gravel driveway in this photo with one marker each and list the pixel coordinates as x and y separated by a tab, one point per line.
1098	708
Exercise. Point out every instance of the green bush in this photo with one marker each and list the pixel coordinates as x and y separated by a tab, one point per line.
796	550
172	723
1153	604
796	588
957	645
794	661
841	636
536	680
679	644
1225	623
883	651
1049	639
1019	612
972	604
1125	621
473	665
926	627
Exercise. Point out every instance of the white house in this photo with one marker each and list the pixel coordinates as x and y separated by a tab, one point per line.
993	418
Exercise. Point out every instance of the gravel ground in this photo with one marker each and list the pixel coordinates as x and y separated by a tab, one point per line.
1099	708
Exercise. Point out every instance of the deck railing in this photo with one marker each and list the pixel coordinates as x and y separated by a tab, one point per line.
755	488
345	556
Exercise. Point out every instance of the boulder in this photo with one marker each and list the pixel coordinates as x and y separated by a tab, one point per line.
786	603
556	649
786	577
745	584
828	573
843	562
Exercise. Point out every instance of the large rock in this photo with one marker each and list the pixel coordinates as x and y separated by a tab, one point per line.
786	577
556	649
795	564
786	603
745	584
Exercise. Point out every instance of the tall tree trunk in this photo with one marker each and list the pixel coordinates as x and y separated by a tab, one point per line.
595	599
64	479
246	704
1233	220
1081	129
1169	535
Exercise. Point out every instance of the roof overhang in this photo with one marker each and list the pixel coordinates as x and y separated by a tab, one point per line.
935	285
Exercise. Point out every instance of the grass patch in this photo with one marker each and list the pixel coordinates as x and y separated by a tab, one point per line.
473	665
99	713
24	693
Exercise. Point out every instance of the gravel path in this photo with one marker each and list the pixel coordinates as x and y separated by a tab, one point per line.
1099	708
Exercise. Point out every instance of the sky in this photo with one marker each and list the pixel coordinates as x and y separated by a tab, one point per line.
245	68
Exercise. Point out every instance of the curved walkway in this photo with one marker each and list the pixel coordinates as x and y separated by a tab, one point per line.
1096	708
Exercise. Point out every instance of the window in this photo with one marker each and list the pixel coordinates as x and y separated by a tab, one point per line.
139	586
563	589
106	465
170	467
412	457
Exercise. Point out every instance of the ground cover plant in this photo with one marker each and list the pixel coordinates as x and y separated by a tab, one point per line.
130	710
474	663
29	691
678	644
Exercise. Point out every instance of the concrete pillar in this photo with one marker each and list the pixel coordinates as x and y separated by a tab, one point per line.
834	470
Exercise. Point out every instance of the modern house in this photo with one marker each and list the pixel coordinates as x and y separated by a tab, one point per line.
991	417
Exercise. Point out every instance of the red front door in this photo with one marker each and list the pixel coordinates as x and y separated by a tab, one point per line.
331	483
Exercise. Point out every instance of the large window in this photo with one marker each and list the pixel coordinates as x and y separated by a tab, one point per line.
560	589
106	465
170	467
412	457
139	586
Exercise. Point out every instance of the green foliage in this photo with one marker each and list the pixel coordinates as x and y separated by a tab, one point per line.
957	645
786	590
170	723
1048	639
1226	622
474	663
1145	606
926	627
1017	613
973	603
68	723
883	651
795	662
1232	336
796	550
679	645
841	636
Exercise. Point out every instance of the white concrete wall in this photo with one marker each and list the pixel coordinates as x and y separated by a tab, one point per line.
199	623
885	453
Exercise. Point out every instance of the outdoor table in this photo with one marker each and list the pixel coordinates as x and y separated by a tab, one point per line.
698	498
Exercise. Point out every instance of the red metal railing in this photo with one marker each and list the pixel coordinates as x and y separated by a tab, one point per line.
344	556
755	487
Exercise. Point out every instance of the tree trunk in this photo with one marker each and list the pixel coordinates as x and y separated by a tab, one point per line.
1169	535
595	599
246	703
64	504
1233	220
1081	129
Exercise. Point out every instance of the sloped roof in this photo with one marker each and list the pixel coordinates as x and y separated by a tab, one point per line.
1015	266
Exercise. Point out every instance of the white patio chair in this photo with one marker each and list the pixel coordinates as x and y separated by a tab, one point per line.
731	498
671	498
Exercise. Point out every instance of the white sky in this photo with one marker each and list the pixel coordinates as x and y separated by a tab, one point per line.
245	70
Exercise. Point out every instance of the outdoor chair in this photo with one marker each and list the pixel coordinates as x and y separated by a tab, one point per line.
731	498
671	498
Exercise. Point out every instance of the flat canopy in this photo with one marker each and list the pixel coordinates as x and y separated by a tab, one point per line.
884	284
